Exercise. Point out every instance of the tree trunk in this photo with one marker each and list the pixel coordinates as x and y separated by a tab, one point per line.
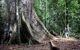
23	10
35	26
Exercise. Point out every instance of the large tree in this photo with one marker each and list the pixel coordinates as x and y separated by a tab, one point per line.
21	14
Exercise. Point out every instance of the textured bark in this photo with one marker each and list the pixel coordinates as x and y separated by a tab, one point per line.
23	9
10	21
35	26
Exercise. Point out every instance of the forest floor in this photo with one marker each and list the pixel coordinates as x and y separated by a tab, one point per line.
61	43
67	43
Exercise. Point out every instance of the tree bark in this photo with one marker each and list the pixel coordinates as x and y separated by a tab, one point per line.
35	26
24	9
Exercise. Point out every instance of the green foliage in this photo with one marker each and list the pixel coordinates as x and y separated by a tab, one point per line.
56	14
76	35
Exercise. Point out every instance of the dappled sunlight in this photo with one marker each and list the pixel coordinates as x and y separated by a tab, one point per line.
65	39
68	39
66	43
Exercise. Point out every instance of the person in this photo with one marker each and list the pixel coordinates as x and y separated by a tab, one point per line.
66	31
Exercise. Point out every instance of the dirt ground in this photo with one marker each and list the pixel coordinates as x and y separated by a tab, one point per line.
61	43
25	47
67	43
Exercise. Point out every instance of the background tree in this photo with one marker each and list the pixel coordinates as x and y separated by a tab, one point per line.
60	13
